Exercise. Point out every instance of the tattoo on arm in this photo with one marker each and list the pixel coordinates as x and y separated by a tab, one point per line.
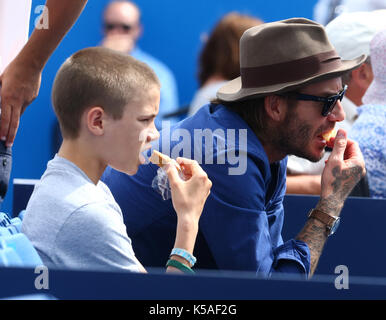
314	232
315	235
345	180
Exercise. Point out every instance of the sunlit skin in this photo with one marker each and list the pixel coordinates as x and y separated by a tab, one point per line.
132	133
299	131
105	141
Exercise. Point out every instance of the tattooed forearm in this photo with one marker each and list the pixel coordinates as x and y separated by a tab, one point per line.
345	180
315	235
314	232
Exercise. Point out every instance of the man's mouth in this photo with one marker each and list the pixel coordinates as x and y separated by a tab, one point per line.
324	135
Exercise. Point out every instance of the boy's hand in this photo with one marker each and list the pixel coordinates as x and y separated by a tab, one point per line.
189	195
344	168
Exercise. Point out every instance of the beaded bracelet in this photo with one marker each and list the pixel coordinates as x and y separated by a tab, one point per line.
184	254
179	265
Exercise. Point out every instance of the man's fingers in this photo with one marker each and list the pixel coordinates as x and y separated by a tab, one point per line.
5	118
14	125
340	144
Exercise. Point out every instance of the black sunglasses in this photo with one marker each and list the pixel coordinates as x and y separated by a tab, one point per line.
328	102
122	26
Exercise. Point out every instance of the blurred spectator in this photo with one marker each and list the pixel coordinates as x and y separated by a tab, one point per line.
122	29
350	34
219	59
370	128
327	10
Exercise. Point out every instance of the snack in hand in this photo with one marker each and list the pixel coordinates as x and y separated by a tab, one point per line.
161	159
328	136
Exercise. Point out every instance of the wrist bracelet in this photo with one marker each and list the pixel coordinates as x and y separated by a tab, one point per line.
179	265
184	254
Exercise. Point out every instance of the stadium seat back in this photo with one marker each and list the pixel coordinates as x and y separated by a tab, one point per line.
21	214
24	249
16	223
4	232
8	256
4	220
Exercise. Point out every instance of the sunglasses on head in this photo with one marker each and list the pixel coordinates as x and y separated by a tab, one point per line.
328	102
122	26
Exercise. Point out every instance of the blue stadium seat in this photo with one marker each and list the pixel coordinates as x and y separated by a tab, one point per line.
8	256
21	214
13	229
16	223
4	232
15	247
21	245
4	220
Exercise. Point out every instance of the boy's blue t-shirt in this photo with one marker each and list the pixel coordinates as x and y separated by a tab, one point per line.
240	227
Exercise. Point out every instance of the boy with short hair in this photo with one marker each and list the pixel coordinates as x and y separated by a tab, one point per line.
106	103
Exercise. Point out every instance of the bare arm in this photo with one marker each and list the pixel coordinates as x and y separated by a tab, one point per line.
345	167
303	184
20	81
188	199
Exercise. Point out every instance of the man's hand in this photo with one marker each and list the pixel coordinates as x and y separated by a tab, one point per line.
344	168
20	84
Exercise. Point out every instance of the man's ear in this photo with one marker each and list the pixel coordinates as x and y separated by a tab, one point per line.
275	107
95	118
363	76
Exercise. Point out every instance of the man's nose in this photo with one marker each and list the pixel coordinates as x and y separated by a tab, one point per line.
337	113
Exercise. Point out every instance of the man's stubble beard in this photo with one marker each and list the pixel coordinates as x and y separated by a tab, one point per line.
293	138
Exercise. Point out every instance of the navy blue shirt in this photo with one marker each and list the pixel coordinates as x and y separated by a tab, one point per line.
240	227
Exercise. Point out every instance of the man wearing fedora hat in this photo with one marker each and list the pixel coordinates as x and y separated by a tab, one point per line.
287	96
350	34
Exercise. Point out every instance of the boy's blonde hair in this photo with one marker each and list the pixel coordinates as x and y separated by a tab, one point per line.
97	77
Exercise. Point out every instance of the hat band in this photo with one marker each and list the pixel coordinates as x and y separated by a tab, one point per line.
290	71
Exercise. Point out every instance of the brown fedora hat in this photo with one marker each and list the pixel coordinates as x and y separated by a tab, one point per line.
284	55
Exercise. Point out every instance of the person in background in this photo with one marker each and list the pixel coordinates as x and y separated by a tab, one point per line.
220	57
122	29
106	102
350	33
370	128
327	10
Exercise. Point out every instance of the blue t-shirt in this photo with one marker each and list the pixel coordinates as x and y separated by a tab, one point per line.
240	227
